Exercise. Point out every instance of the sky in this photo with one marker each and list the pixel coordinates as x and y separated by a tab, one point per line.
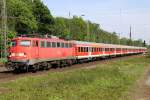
112	15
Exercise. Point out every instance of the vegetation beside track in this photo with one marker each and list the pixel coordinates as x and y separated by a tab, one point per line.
2	61
107	81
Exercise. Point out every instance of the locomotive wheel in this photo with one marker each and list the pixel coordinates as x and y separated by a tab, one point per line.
26	69
63	64
48	66
17	70
35	67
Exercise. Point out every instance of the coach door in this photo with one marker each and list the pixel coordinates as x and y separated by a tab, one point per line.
35	48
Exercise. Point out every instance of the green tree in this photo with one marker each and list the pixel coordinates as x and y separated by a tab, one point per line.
60	29
20	15
43	17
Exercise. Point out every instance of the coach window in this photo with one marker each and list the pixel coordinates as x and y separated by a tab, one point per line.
110	49
87	50
101	49
62	45
54	44
42	44
94	49
84	49
66	45
48	44
106	49
58	44
70	45
78	49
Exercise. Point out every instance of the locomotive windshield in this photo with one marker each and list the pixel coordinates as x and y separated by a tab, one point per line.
13	43
25	43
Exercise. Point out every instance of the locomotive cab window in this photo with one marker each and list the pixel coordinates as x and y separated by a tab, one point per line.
13	43
25	43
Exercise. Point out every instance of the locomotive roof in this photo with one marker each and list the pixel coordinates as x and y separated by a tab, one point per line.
30	38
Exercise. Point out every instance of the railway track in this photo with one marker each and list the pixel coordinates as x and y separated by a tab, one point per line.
10	76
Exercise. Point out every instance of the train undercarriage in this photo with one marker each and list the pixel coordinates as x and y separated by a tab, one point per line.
46	65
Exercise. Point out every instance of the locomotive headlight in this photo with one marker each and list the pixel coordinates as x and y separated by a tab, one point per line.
12	54
18	54
21	54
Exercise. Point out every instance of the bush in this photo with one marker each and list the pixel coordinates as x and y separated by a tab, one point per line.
148	53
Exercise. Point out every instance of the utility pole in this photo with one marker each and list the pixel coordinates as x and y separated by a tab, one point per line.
130	35
88	33
87	29
4	28
69	35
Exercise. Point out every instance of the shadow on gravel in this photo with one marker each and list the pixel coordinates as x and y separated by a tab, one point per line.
6	72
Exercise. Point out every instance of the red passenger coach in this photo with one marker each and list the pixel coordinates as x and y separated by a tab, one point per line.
86	50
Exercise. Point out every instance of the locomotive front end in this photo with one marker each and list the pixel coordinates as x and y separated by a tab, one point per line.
19	54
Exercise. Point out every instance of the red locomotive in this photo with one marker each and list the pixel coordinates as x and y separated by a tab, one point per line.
40	53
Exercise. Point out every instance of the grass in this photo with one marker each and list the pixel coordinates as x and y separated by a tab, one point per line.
2	60
111	81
